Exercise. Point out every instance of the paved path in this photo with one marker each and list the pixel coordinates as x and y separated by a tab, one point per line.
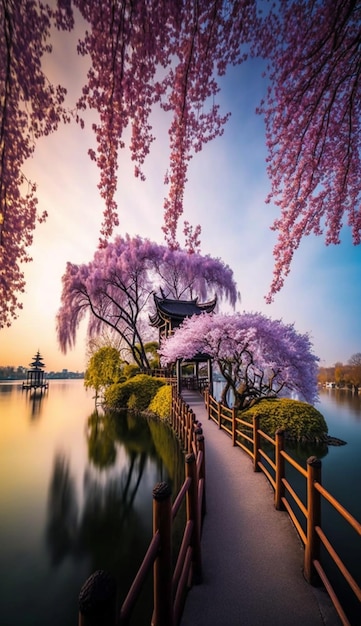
252	555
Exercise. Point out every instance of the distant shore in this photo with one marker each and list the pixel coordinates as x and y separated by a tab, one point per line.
48	376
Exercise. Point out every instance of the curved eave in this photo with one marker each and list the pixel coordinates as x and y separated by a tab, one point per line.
178	310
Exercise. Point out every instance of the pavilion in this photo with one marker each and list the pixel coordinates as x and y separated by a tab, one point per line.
36	376
169	314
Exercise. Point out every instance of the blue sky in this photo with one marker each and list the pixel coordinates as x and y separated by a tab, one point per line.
225	194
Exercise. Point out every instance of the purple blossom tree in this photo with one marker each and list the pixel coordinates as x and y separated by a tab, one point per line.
115	289
258	357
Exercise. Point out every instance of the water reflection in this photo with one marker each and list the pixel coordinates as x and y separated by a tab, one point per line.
32	398
106	509
6	388
344	399
107	522
105	431
35	401
302	451
101	441
62	524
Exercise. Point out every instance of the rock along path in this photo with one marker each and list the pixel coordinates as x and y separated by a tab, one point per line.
252	555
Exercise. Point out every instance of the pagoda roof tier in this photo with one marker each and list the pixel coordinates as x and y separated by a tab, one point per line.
178	310
37	363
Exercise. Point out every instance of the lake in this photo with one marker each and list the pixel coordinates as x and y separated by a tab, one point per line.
341	476
76	494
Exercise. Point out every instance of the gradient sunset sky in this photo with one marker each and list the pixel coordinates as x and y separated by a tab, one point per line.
225	194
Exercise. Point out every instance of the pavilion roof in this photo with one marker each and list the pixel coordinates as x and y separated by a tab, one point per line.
37	363
177	310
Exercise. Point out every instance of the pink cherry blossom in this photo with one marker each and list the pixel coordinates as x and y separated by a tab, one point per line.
258	357
30	107
312	113
170	55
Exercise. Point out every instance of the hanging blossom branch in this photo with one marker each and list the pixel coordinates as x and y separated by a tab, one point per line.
312	110
312	114
204	46
126	45
167	53
145	53
30	107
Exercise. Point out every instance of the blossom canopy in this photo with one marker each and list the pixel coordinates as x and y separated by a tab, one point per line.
115	288
259	357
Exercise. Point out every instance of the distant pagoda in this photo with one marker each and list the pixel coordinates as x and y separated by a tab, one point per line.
35	377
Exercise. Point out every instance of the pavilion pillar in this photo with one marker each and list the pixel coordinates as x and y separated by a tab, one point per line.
210	376
178	376
196	371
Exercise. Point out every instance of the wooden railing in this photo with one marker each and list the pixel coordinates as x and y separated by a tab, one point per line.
98	596
249	437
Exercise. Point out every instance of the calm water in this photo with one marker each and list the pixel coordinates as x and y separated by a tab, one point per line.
341	475
341	465
75	496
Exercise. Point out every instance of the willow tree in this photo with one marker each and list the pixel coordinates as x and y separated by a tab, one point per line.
115	290
103	369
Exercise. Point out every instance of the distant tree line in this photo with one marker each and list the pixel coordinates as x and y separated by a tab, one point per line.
348	375
10	372
13	373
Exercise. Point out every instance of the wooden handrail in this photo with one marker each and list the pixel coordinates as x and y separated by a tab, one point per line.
250	442
97	599
139	580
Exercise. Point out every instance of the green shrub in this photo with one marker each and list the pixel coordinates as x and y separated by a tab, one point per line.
135	393
162	402
301	421
129	370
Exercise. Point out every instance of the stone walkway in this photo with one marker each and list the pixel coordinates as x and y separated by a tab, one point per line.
252	555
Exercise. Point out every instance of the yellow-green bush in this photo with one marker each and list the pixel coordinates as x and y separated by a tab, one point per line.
129	370
135	393
162	402
301	420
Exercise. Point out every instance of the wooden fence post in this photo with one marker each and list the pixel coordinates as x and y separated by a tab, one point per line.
312	547
193	514
179	418
219	411
234	426
183	423
206	401
98	600
256	443
280	469
189	430
193	444
202	470
162	523
173	408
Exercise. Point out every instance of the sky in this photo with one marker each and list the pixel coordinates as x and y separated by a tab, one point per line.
226	191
